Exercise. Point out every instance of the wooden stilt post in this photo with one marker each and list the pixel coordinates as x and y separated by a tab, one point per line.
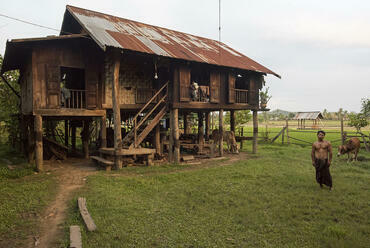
176	138
73	138
66	132
85	138
232	121
186	124
200	132
171	141
117	112
208	117
287	131
38	146
255	132
221	131
342	130
31	140
103	131
157	143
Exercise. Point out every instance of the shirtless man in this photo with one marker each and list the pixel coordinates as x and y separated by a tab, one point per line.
321	156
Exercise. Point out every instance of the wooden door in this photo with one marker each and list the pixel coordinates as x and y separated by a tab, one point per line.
215	87
52	73
92	79
231	88
184	77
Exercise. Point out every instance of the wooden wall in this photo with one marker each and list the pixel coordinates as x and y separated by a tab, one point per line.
46	62
26	87
135	75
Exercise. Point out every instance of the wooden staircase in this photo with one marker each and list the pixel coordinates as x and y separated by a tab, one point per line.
147	118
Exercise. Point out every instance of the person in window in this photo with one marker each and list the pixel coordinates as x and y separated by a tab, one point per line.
66	93
194	91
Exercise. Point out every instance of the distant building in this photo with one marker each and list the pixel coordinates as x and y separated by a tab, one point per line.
315	116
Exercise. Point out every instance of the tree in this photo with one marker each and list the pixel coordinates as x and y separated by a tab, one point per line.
365	109
358	121
241	117
9	105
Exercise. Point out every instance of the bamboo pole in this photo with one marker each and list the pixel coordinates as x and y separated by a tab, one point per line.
342	130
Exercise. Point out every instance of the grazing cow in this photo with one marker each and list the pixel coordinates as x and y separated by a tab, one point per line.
229	137
352	146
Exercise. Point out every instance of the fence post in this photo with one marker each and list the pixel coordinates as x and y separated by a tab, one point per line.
287	131
342	130
282	136
241	134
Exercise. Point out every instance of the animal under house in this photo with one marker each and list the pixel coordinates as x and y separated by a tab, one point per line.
125	86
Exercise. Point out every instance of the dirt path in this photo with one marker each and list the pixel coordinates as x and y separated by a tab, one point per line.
70	176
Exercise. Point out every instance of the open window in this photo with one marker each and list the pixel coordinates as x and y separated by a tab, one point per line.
72	87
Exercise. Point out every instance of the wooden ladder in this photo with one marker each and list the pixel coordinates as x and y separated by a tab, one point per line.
150	117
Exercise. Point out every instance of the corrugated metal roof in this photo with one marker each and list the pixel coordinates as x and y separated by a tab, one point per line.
111	31
308	115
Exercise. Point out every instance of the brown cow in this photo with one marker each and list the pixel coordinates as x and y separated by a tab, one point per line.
229	137
352	146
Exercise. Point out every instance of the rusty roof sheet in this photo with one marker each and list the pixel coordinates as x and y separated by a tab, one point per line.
111	31
308	115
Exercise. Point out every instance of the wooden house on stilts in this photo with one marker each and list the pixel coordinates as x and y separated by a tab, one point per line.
106	67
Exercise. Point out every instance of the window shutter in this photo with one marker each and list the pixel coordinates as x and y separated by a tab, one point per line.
184	76
52	86
215	87
231	88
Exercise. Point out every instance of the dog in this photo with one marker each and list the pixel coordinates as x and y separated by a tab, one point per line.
352	146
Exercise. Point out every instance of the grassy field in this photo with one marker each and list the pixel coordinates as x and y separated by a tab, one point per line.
268	200
23	195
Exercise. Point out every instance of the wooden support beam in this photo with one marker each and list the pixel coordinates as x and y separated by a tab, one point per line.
208	119
287	131
157	137
221	131
75	240
255	132
31	139
85	138
186	124
176	138
116	110
232	121
90	224
200	131
73	138
171	141
66	132
38	146
103	131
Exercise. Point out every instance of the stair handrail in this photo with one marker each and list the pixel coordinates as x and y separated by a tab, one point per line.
146	105
151	100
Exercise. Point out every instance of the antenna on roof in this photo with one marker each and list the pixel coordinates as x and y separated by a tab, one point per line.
219	30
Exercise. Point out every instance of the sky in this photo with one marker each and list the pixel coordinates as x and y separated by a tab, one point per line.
320	48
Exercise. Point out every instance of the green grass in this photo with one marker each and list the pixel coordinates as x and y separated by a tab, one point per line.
269	200
23	196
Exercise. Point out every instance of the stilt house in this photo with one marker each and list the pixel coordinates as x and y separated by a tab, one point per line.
102	66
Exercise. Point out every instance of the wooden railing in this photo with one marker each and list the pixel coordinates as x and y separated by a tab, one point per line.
136	124
241	96
75	99
143	95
